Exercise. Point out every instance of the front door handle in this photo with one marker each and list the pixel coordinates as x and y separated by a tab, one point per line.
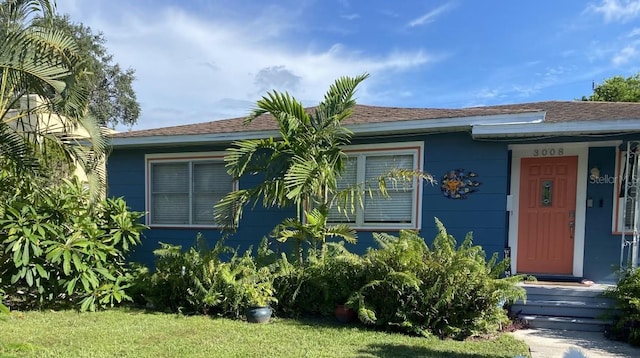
572	223
572	229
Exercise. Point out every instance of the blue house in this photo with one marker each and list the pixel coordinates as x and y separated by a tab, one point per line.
549	184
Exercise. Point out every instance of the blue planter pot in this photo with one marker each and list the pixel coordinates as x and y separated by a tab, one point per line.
258	314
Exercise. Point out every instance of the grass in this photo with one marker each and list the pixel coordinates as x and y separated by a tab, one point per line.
126	333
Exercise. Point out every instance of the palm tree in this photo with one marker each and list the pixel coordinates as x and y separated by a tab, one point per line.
302	166
43	97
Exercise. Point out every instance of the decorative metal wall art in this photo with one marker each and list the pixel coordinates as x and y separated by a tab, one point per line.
458	183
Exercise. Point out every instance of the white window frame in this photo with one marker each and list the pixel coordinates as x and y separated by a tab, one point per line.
191	158
618	219
413	148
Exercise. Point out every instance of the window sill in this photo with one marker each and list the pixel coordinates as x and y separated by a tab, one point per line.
381	228
182	226
619	233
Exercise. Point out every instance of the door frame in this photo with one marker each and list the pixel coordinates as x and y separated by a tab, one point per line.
519	151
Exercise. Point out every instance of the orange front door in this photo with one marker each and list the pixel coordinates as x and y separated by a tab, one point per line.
547	212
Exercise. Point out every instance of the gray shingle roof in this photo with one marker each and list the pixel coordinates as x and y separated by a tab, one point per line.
556	111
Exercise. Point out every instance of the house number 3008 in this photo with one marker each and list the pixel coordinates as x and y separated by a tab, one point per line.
546	152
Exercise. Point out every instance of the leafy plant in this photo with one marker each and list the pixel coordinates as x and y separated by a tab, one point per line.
314	231
320	283
57	246
444	290
258	288
183	281
198	280
626	293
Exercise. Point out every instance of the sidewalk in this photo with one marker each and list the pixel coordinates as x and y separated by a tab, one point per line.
546	343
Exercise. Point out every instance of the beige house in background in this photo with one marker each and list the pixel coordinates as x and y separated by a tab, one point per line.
33	120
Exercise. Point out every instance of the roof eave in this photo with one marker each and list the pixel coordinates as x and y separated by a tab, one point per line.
359	129
189	139
555	129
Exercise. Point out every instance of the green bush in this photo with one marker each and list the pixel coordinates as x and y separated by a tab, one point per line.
182	281
58	247
444	290
199	281
322	281
626	325
404	284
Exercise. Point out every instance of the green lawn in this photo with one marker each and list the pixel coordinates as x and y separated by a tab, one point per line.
123	333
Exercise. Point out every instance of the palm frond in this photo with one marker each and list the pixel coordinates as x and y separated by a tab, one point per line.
228	211
344	231
338	101
45	63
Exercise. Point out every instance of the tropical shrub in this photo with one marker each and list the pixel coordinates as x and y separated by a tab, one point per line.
322	281
198	280
182	280
441	290
302	166
59	247
626	325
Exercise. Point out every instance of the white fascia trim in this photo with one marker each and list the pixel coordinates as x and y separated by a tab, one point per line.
447	124
563	128
416	125
190	139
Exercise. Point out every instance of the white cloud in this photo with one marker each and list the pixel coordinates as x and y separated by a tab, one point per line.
350	16
193	68
276	77
431	15
617	10
487	93
625	55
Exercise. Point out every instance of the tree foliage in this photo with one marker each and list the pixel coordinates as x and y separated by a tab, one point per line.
44	96
112	100
617	89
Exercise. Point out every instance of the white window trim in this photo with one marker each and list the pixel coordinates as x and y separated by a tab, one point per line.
175	158
617	221
414	148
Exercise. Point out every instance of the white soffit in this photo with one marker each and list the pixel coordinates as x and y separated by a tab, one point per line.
555	128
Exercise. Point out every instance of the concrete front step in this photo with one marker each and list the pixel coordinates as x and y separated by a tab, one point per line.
568	292
565	323
563	308
574	308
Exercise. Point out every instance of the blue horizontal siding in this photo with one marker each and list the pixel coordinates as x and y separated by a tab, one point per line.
602	248
483	213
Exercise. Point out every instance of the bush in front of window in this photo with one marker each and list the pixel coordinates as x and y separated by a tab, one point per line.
405	285
444	290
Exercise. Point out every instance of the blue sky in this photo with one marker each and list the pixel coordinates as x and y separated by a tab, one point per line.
202	60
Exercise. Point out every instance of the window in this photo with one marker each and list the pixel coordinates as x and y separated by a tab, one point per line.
365	165
183	191
628	180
